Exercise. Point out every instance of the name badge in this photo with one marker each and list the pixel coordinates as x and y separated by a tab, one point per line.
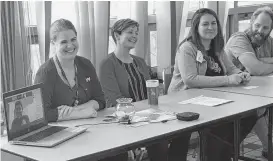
88	79
199	57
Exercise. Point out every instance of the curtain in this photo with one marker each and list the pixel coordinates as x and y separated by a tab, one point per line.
93	30
139	12
43	19
7	51
86	29
15	49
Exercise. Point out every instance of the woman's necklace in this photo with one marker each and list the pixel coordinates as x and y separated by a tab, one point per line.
76	101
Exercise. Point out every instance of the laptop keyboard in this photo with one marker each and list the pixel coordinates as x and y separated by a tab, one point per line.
43	134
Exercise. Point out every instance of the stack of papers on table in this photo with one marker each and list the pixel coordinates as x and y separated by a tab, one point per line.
206	101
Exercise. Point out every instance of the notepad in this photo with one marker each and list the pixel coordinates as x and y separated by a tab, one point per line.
206	101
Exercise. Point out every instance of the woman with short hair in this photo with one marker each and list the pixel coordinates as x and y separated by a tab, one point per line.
125	75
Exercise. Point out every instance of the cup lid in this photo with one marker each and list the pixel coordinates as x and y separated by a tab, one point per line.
124	100
152	83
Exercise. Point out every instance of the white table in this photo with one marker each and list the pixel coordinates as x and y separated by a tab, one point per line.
109	139
264	89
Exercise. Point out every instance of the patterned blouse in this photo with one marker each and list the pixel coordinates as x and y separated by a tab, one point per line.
214	66
136	81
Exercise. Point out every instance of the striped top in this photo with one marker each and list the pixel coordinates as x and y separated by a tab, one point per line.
136	81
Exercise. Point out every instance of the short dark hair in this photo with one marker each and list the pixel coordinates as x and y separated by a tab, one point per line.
60	25
121	25
194	37
265	9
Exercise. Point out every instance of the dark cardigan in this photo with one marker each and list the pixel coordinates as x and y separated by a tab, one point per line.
114	78
57	93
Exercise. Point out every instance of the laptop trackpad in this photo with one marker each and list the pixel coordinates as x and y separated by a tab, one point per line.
62	135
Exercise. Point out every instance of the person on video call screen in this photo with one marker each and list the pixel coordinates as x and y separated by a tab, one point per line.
19	118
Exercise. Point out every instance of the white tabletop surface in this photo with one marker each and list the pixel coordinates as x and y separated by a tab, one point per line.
263	87
107	139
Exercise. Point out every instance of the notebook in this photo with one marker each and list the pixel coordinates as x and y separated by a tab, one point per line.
26	122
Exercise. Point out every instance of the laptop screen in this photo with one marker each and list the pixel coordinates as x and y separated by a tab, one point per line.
24	111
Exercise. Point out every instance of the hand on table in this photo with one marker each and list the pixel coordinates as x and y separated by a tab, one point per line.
245	77
235	79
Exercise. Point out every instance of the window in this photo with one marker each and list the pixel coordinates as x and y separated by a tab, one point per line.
195	5
230	4
67	13
112	45
187	30
151	8
32	34
250	3
120	9
30	6
153	48
243	25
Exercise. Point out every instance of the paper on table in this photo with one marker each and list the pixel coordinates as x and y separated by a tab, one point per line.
206	101
164	117
145	113
145	117
154	117
138	124
250	87
139	119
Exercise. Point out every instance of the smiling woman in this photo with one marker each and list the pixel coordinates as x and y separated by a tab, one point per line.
71	87
125	75
201	62
66	45
207	29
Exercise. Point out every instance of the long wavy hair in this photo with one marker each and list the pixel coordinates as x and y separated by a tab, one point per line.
194	37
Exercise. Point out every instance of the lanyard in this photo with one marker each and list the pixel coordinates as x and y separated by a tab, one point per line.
76	102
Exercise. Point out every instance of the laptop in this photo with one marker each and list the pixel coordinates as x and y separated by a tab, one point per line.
26	122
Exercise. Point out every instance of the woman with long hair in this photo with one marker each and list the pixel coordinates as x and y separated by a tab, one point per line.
201	62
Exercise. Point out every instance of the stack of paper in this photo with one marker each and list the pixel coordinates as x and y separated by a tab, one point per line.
206	101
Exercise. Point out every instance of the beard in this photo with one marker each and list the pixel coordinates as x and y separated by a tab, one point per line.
257	38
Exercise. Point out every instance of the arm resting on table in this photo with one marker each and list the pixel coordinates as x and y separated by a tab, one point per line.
86	110
254	66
